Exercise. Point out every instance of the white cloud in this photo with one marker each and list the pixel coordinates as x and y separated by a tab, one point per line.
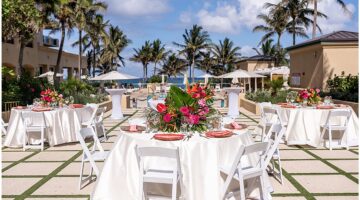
230	18
247	51
185	18
138	7
337	19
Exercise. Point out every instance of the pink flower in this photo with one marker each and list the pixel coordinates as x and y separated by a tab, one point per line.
204	111
167	117
184	110
317	90
194	119
202	102
196	95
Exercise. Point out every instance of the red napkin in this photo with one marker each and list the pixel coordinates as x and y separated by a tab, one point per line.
235	125
133	128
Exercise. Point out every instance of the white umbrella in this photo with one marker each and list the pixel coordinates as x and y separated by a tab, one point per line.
240	74
49	73
113	75
235	81
162	78
206	76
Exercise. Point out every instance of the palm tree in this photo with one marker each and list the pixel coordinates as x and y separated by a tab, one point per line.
62	13
267	48
315	25
96	33
195	40
83	10
275	23
159	52
173	65
117	41
225	54
89	61
144	56
298	12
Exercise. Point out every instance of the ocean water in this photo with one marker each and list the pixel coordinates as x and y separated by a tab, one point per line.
175	81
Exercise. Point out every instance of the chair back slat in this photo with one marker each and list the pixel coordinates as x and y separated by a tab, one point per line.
33	118
99	115
343	113
279	132
256	148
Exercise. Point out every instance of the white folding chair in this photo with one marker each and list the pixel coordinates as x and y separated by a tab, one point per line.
273	154
4	127
97	123
242	172
90	156
34	122
90	121
269	116
337	120
168	176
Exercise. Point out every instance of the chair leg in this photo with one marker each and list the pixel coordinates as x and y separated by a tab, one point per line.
242	187
42	139
24	141
81	173
173	191
280	169
261	187
330	139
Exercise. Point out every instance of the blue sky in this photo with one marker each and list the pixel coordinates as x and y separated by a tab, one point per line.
167	20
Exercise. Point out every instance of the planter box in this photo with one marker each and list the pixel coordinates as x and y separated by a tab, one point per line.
250	106
353	105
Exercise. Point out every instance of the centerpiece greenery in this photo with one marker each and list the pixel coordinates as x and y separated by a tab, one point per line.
188	110
311	95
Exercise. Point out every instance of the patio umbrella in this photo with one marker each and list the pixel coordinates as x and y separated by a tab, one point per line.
113	75
206	76
243	74
49	73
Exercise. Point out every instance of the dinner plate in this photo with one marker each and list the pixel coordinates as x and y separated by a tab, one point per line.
219	134
169	136
41	109
139	129
288	106
325	107
76	105
230	126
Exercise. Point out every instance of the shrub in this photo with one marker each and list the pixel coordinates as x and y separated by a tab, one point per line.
343	88
266	96
155	79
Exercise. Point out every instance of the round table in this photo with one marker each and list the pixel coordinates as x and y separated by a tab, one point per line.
304	126
200	159
233	101
116	94
63	124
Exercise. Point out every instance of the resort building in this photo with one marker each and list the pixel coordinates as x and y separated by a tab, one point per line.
256	62
40	56
314	61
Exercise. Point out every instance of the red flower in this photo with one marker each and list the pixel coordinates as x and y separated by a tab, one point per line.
167	117
196	95
161	107
194	119
185	110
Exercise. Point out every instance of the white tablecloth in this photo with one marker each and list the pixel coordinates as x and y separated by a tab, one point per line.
199	157
153	103
63	124
304	126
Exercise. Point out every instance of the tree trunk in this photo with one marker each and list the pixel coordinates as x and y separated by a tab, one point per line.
94	62
80	53
21	58
315	19
294	33
192	75
57	66
155	68
144	72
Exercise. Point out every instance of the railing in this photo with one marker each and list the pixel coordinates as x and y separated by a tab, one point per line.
9	104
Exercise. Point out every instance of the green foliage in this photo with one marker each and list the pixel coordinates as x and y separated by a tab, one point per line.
343	88
23	89
155	79
266	96
276	85
178	98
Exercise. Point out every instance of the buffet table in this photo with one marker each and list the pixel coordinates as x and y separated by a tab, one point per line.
304	126
200	159
63	124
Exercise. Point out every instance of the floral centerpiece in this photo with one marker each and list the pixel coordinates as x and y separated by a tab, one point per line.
311	96
183	110
51	97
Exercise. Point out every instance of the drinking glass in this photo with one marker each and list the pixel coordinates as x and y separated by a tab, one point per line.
71	99
288	97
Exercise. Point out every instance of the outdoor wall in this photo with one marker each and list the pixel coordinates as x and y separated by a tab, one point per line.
340	58
251	65
306	62
317	63
38	56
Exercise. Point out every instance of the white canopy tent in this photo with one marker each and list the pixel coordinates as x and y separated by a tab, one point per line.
113	75
245	75
283	70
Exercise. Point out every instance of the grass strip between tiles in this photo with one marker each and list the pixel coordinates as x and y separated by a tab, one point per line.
19	161
342	172
41	182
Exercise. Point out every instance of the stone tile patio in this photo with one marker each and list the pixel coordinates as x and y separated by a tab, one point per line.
54	173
